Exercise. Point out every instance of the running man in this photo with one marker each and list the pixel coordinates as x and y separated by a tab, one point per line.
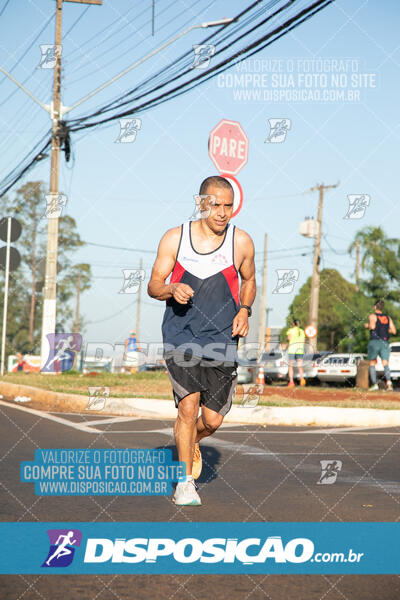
204	317
296	336
62	549
380	327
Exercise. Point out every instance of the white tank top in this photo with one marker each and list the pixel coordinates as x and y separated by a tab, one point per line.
204	265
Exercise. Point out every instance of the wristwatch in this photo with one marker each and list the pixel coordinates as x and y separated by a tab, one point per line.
248	308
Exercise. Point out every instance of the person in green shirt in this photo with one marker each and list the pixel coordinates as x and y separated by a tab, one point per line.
296	338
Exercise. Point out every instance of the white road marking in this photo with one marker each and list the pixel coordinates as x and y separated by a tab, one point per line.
257	431
45	415
112	420
87	425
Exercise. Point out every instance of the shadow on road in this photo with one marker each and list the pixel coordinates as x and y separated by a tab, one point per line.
211	460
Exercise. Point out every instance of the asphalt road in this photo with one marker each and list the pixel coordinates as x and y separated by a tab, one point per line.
251	473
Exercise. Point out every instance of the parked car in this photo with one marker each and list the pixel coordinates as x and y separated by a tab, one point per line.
394	361
310	365
275	363
247	370
339	367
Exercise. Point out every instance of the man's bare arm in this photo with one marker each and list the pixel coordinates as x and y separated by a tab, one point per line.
392	327
247	273
371	322
162	268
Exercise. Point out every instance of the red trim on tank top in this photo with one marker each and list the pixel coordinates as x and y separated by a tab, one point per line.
177	273
231	276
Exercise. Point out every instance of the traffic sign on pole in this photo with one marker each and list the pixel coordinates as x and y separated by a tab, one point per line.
237	193
228	147
15	230
311	331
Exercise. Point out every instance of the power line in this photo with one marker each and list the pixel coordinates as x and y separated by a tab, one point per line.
81	123
121	248
190	84
4	7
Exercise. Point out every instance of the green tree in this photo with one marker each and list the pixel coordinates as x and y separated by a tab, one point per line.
380	263
26	283
334	303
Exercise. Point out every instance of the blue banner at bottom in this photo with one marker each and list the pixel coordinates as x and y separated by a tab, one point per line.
208	548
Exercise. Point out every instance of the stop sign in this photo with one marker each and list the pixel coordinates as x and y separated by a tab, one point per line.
228	147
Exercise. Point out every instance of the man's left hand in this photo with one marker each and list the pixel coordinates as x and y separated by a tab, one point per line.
240	324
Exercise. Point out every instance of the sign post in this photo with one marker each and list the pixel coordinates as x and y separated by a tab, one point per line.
10	230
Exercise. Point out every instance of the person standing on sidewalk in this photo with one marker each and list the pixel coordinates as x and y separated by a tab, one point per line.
380	327
296	337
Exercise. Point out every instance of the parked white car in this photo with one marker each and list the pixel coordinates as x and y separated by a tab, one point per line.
339	367
275	363
394	361
247	370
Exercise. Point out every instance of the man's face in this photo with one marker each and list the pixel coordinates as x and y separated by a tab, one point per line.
219	207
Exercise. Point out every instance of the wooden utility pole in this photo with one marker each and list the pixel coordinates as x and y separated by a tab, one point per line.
357	265
77	309
315	280
50	282
138	303
78	297
56	114
263	302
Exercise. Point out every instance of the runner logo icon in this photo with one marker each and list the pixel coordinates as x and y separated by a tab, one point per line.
62	547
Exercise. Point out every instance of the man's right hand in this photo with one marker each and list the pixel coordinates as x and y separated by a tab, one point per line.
181	292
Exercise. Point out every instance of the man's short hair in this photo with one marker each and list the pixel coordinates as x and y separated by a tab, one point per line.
216	181
296	322
379	304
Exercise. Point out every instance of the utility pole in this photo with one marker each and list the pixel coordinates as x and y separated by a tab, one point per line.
262	321
57	112
77	310
138	302
315	280
357	264
50	282
77	306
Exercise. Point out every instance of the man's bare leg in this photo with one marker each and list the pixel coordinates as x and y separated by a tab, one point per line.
185	429
207	423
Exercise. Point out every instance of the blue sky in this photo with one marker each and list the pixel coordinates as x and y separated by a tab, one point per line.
129	194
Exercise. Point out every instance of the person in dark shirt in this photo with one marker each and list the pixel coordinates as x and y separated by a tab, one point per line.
380	327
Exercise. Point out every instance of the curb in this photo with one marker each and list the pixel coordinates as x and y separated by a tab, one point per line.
165	409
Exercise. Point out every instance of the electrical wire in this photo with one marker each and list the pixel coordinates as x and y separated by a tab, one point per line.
4	7
81	123
255	46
